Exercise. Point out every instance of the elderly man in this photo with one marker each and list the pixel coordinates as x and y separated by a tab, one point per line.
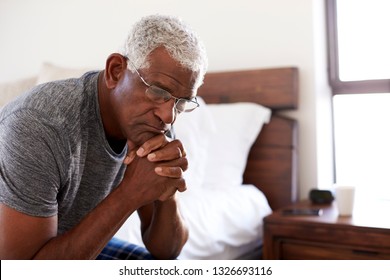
79	156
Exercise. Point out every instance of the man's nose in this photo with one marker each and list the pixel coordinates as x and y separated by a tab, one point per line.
166	111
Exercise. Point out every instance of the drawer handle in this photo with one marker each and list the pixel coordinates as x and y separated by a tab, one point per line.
364	252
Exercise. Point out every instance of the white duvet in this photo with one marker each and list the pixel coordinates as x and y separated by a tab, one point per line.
223	224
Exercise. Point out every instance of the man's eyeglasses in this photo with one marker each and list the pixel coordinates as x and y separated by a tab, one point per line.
159	95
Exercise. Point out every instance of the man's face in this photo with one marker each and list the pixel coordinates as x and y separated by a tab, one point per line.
138	116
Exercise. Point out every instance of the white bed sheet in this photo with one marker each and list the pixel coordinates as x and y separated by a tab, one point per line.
223	223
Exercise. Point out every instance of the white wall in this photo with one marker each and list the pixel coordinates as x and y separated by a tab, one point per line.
240	34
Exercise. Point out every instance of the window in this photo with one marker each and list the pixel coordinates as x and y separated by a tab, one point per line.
359	75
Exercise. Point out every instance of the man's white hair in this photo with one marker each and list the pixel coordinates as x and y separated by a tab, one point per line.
174	35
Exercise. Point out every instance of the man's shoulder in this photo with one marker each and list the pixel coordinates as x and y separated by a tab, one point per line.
60	102
66	91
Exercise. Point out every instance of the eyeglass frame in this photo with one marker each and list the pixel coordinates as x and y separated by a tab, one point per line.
167	93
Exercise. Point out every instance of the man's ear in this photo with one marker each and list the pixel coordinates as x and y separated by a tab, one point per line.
116	64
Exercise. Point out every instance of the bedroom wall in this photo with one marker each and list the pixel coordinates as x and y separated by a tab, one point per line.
240	34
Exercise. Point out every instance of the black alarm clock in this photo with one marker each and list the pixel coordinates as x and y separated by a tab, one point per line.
321	196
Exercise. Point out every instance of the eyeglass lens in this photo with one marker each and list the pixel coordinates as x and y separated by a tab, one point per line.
160	95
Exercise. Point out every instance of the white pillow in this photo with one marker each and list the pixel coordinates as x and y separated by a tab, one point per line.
194	131
237	127
50	72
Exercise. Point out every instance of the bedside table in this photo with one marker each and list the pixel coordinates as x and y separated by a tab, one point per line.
365	235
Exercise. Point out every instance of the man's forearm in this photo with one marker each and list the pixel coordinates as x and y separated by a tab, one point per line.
165	234
88	238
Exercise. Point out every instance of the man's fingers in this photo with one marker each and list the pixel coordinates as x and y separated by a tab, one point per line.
180	187
166	154
152	144
171	151
129	158
168	171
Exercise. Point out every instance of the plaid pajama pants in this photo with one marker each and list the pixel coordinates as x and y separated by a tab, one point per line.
118	249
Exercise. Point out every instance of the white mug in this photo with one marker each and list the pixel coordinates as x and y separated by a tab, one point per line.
345	197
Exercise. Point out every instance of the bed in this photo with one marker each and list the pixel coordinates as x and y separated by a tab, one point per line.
242	158
243	162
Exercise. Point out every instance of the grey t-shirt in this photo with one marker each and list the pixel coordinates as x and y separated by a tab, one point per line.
54	156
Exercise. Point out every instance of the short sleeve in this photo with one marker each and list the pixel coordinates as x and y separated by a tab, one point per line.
30	173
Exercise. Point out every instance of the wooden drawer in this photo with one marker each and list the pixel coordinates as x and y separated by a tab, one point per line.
301	250
364	236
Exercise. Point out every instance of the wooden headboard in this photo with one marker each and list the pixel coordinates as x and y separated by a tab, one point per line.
272	162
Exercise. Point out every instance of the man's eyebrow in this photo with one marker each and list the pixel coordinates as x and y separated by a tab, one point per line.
161	85
169	89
